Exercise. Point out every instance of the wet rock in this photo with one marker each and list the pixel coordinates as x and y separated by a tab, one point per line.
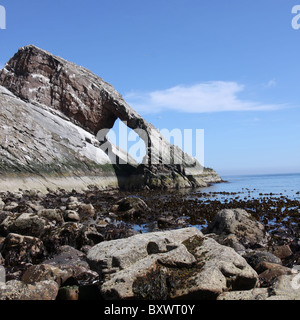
130	207
254	258
52	215
44	272
270	272
17	290
74	263
222	269
249	231
70	293
282	252
12	206
86	211
18	249
28	224
2	261
3	216
2	204
230	240
71	216
286	287
72	234
172	264
69	256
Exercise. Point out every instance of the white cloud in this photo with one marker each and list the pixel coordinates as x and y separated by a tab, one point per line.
271	84
215	96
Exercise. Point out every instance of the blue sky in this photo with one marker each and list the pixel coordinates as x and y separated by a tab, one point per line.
228	67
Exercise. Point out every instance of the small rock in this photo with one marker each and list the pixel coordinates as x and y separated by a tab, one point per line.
271	271
44	272
254	258
282	252
71	216
52	215
86	211
11	207
2	204
68	293
130	207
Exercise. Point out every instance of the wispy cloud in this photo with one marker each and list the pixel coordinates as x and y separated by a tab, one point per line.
271	84
215	96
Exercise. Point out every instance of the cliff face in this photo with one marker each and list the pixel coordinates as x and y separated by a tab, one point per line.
50	113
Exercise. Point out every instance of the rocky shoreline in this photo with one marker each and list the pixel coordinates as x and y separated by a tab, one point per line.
95	244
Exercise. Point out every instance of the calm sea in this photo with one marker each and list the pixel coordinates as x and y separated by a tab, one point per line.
257	186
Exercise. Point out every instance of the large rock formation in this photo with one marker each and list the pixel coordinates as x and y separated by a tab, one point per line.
51	111
178	264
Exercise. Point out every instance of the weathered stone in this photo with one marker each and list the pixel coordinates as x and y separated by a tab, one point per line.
86	211
172	264
66	106
17	290
286	287
130	207
222	269
52	215
68	293
71	216
270	272
2	204
44	272
255	294
282	252
254	258
72	234
28	224
68	256
249	232
19	249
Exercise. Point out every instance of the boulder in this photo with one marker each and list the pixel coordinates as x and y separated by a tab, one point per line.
27	224
71	216
17	290
18	249
52	215
72	234
130	207
45	272
270	272
86	211
254	258
249	232
2	204
173	264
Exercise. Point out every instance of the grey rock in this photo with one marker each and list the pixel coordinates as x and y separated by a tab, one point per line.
19	249
254	258
28	224
17	290
2	204
249	232
71	216
63	106
196	267
52	215
255	294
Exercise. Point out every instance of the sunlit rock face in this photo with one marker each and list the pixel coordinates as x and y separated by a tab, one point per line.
58	109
